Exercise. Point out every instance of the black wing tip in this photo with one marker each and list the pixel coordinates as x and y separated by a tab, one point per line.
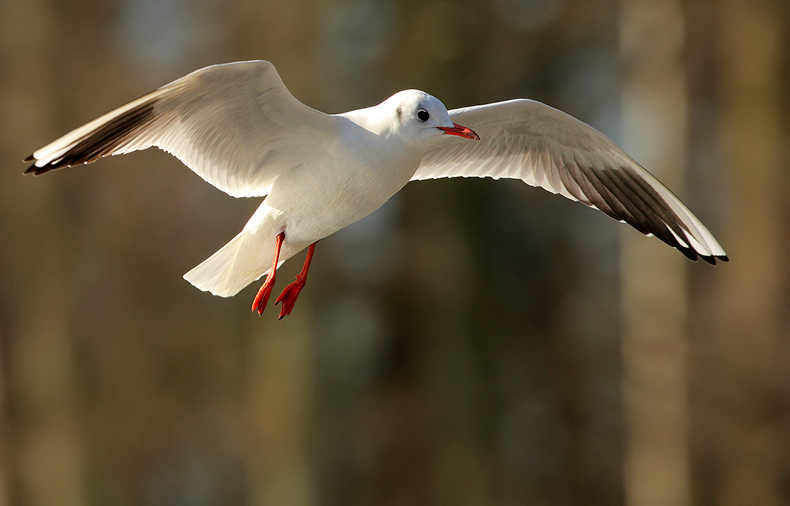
695	255
37	171
711	259
99	143
688	252
33	169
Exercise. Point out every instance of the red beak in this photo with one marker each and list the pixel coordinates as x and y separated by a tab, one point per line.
460	131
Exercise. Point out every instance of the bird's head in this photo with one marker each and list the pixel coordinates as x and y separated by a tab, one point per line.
422	120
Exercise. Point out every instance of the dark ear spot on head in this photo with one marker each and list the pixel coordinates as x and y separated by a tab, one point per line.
399	112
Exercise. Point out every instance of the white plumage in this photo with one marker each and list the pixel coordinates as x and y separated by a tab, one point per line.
237	126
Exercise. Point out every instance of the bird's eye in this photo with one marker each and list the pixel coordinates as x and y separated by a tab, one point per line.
423	115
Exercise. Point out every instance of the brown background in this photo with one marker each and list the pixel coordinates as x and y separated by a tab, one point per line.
472	342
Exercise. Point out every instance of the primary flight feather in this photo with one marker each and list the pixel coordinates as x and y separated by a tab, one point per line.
239	128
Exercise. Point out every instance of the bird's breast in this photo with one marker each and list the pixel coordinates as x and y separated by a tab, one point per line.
345	185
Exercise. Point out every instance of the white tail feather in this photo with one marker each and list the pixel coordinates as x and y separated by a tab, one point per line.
237	264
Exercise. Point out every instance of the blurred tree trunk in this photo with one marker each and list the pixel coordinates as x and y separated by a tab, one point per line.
441	293
654	341
43	447
5	429
754	282
707	177
279	391
277	410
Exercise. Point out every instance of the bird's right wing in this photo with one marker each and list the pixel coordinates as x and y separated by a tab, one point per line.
528	140
236	125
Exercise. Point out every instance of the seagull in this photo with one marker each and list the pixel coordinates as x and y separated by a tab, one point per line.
238	127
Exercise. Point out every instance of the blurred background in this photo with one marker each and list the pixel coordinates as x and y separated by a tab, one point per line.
472	342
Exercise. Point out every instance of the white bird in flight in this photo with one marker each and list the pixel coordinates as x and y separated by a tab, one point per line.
239	128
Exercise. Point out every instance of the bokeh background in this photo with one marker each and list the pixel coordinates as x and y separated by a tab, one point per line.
472	342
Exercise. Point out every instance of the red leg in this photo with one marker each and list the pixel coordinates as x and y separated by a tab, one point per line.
291	292
259	304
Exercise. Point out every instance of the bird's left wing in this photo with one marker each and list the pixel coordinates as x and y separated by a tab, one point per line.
236	125
528	140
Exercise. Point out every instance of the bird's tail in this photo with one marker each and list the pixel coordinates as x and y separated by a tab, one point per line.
241	261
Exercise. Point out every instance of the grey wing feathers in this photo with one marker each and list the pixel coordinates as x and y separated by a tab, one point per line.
542	146
236	125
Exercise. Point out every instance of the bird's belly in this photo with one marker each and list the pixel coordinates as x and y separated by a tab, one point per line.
317	203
